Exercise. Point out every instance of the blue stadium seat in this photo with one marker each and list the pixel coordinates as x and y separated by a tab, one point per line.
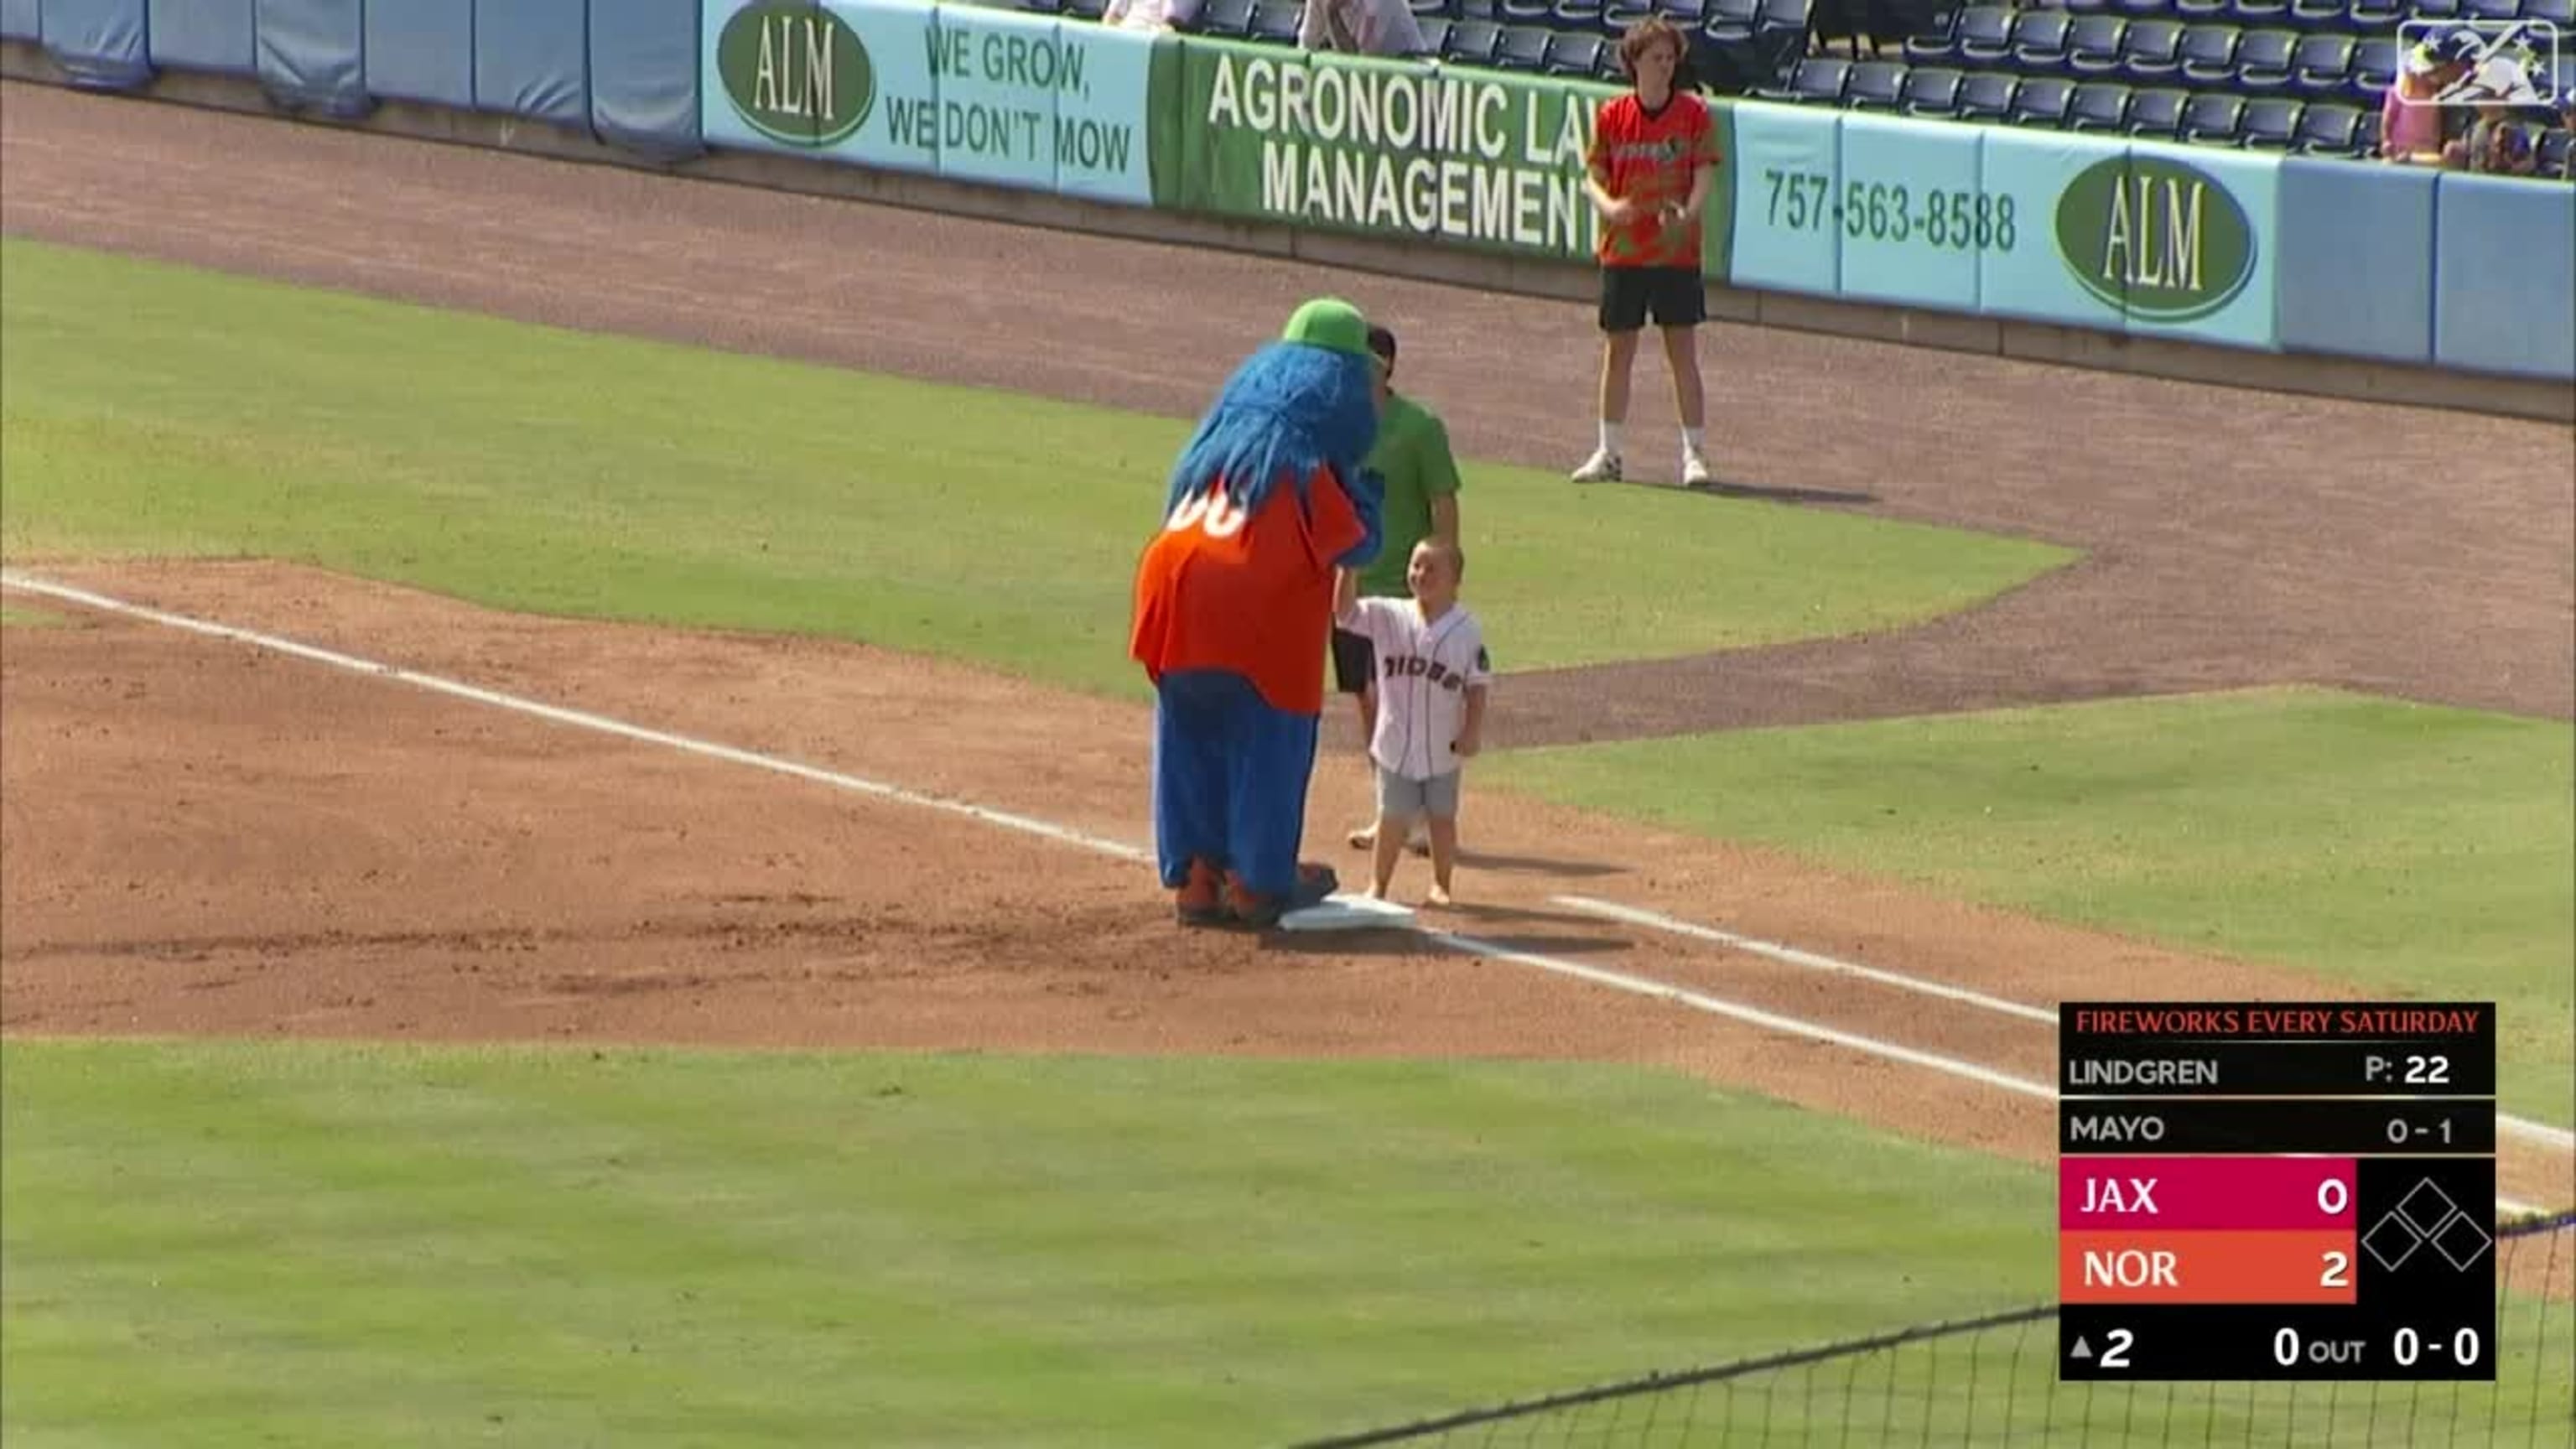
1685	15
1987	95
2561	13
1876	85
1523	48
1472	42
2093	46
1985	36
1817	78
2199	12
2321	66
1931	90
1524	12
1576	15
2146	9
2375	17
2081	8
1435	32
2433	10
1619	16
2556	156
1428	9
2263	60
2157	114
1475	10
1225	19
2365	139
2039	40
2209	55
2151	51
1276	20
1934	44
1575	53
2043	101
2320	15
2567	64
2271	124
2491	9
2212	117
2373	70
2258	14
2098	106
2328	130
1086	10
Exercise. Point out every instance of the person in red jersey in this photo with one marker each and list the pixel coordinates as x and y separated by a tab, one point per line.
1653	160
1234	607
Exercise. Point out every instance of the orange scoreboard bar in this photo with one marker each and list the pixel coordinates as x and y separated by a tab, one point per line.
2271	1190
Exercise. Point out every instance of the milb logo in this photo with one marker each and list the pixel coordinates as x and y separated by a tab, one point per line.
2486	62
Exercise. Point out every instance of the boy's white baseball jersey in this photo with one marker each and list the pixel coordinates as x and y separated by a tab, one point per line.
1423	674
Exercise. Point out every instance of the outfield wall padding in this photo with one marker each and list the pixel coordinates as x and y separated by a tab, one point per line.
312	53
100	44
643	74
207	35
421	50
532	59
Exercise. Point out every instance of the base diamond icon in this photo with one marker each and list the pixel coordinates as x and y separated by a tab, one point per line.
2462	1241
2392	1240
2426	1208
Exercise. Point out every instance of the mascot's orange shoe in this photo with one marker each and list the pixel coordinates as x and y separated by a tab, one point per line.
1261	912
1202	897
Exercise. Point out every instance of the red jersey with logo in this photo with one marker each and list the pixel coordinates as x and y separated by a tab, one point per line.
1649	158
1252	595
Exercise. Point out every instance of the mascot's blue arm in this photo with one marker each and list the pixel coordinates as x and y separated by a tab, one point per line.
1368	500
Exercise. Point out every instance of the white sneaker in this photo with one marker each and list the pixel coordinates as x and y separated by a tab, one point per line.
1694	469
1601	467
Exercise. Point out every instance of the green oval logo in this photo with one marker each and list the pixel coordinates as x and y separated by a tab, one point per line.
2158	238
796	73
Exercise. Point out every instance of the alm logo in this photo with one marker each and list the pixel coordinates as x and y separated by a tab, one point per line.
796	73
2158	238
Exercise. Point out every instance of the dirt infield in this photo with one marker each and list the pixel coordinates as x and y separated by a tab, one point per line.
201	836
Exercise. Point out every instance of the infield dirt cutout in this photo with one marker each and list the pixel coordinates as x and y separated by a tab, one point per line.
198	835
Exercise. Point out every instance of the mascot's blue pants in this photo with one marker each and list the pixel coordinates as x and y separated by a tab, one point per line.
1230	775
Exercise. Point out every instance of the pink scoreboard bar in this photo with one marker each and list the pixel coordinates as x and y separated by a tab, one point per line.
2240	1194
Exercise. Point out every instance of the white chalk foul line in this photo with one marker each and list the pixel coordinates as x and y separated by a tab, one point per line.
2540	1132
583	719
1791	955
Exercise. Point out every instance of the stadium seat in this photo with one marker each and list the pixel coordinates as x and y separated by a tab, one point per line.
1931	90
1276	21
2258	14
1684	15
1088	10
2263	61
1428	9
2560	13
2039	40
1435	33
1576	15
1822	78
1224	19
1936	43
2209	55
2212	117
2199	12
1619	16
2328	130
2315	15
1475	10
2567	65
2491	10
2145	9
2365	139
1523	48
1985	36
2373	70
2043	101
1987	95
1524	12
1575	53
2375	17
2157	114
2321	65
1036	7
2433	10
2098	106
2270	124
2556	157
2093	47
2151	51
1472	42
1876	85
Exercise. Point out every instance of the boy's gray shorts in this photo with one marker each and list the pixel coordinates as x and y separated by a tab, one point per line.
1398	795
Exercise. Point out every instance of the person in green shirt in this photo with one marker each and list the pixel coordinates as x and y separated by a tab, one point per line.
1412	457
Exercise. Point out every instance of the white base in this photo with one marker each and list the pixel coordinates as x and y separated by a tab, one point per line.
1345	912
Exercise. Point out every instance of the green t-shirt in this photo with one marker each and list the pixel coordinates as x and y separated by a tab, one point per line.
1412	454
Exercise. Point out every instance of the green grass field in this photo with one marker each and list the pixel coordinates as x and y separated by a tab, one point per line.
2424	852
152	409
238	1244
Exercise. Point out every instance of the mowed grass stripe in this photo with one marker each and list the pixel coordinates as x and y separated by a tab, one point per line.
210	1243
2418	851
158	410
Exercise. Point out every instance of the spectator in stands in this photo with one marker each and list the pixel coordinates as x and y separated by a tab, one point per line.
1361	27
2412	129
2498	145
1150	14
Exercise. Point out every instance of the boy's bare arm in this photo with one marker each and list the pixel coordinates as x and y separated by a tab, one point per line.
1471	735
1346	596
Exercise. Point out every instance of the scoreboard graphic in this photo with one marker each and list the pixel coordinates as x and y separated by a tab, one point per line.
2271	1190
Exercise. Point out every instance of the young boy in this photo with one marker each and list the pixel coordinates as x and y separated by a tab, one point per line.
1432	679
1653	163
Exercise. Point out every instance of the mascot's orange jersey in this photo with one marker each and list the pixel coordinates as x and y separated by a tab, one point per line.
1252	595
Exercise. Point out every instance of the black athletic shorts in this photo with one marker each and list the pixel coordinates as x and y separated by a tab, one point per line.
1673	296
1354	661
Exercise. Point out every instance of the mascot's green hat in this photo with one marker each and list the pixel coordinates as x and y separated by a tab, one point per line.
1329	323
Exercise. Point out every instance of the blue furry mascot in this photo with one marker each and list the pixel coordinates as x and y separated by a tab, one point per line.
1234	611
